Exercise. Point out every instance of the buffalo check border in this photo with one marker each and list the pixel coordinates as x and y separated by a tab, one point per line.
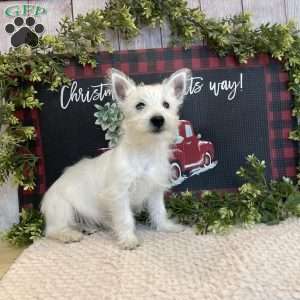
283	152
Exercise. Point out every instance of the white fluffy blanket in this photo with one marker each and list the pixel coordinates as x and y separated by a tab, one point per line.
260	263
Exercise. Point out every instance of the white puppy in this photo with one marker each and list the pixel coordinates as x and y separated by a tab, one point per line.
134	175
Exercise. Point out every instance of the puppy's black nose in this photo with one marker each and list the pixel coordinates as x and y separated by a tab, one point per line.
157	121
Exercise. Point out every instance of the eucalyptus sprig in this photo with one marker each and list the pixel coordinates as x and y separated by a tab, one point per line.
109	117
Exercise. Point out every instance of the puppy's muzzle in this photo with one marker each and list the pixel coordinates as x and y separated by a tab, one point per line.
157	123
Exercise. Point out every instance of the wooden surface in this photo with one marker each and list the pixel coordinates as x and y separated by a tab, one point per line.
221	8
56	9
8	255
293	10
5	37
149	38
262	11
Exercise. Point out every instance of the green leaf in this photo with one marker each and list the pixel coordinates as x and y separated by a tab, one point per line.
293	204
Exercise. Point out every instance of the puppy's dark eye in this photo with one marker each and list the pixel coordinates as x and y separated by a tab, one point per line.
166	104
140	106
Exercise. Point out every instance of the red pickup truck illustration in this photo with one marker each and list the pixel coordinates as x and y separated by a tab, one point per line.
191	155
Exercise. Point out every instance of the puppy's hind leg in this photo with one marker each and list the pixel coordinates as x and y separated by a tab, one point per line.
60	220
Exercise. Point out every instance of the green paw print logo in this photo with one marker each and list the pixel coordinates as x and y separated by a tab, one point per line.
24	31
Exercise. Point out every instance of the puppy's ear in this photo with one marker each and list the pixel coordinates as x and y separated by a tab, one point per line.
179	82
120	84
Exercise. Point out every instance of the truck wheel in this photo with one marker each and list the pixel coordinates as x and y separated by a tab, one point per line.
175	171
207	159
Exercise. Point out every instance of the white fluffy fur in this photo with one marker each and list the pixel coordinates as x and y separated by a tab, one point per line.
108	189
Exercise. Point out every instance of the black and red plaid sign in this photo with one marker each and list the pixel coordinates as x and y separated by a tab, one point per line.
230	111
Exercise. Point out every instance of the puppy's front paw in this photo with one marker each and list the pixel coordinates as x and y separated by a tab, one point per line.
129	243
171	227
67	236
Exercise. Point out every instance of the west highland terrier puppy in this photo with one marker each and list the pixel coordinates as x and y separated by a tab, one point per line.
134	175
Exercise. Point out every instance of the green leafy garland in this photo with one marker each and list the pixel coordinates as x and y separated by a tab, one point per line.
29	229
21	69
256	201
